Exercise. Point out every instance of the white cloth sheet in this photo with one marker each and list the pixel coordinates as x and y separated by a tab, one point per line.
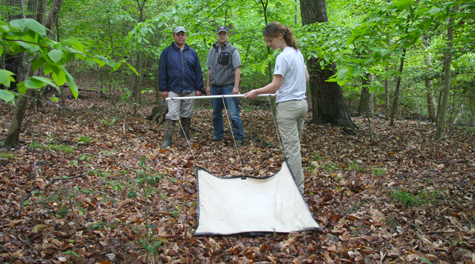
233	205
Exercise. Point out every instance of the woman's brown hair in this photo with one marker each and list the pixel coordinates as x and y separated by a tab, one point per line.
274	28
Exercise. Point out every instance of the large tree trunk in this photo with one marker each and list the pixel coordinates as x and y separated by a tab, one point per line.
25	70
445	98
328	105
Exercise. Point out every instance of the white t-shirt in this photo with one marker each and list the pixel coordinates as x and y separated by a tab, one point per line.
291	66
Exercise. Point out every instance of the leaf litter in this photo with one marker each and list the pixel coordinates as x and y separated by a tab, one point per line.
394	198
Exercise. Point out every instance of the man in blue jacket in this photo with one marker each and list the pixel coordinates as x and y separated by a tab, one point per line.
179	74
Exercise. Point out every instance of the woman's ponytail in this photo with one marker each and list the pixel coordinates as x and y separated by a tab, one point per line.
274	28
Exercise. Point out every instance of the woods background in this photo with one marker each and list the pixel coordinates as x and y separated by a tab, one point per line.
387	151
400	59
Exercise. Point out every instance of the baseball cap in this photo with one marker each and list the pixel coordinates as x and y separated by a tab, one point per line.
222	28
179	29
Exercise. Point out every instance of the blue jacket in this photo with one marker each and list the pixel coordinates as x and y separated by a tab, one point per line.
179	70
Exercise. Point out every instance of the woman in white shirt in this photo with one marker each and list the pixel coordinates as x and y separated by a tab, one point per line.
289	84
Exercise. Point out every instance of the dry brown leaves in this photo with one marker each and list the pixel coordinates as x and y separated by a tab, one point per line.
93	218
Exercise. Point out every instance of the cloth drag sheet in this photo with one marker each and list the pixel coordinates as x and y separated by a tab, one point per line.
233	205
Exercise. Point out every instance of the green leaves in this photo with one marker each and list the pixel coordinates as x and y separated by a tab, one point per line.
7	96
382	51
60	77
6	77
29	35
386	32
37	82
75	44
343	73
56	55
72	85
29	23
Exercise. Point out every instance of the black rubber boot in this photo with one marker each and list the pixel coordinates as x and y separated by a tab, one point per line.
169	129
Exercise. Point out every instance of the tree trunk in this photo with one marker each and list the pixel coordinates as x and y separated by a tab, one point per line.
386	98
429	83
138	83
453	108
264	8
431	103
13	137
459	115
386	86
395	106
42	9
473	113
110	78
445	98
372	103
328	105
296	16
365	97
53	16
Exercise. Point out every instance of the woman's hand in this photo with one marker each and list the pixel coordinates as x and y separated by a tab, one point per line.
251	94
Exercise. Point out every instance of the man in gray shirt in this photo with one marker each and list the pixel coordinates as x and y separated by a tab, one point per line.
223	76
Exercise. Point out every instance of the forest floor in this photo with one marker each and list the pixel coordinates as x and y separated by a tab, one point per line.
74	192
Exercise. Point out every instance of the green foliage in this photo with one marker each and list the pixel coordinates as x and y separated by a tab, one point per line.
72	253
63	211
109	124
174	213
408	199
425	260
360	38
82	157
27	35
35	145
147	179
385	32
318	157
61	147
54	147
330	166
96	226
355	166
6	155
379	171
85	139
63	199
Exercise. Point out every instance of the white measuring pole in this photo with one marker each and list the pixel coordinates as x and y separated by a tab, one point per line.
214	96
